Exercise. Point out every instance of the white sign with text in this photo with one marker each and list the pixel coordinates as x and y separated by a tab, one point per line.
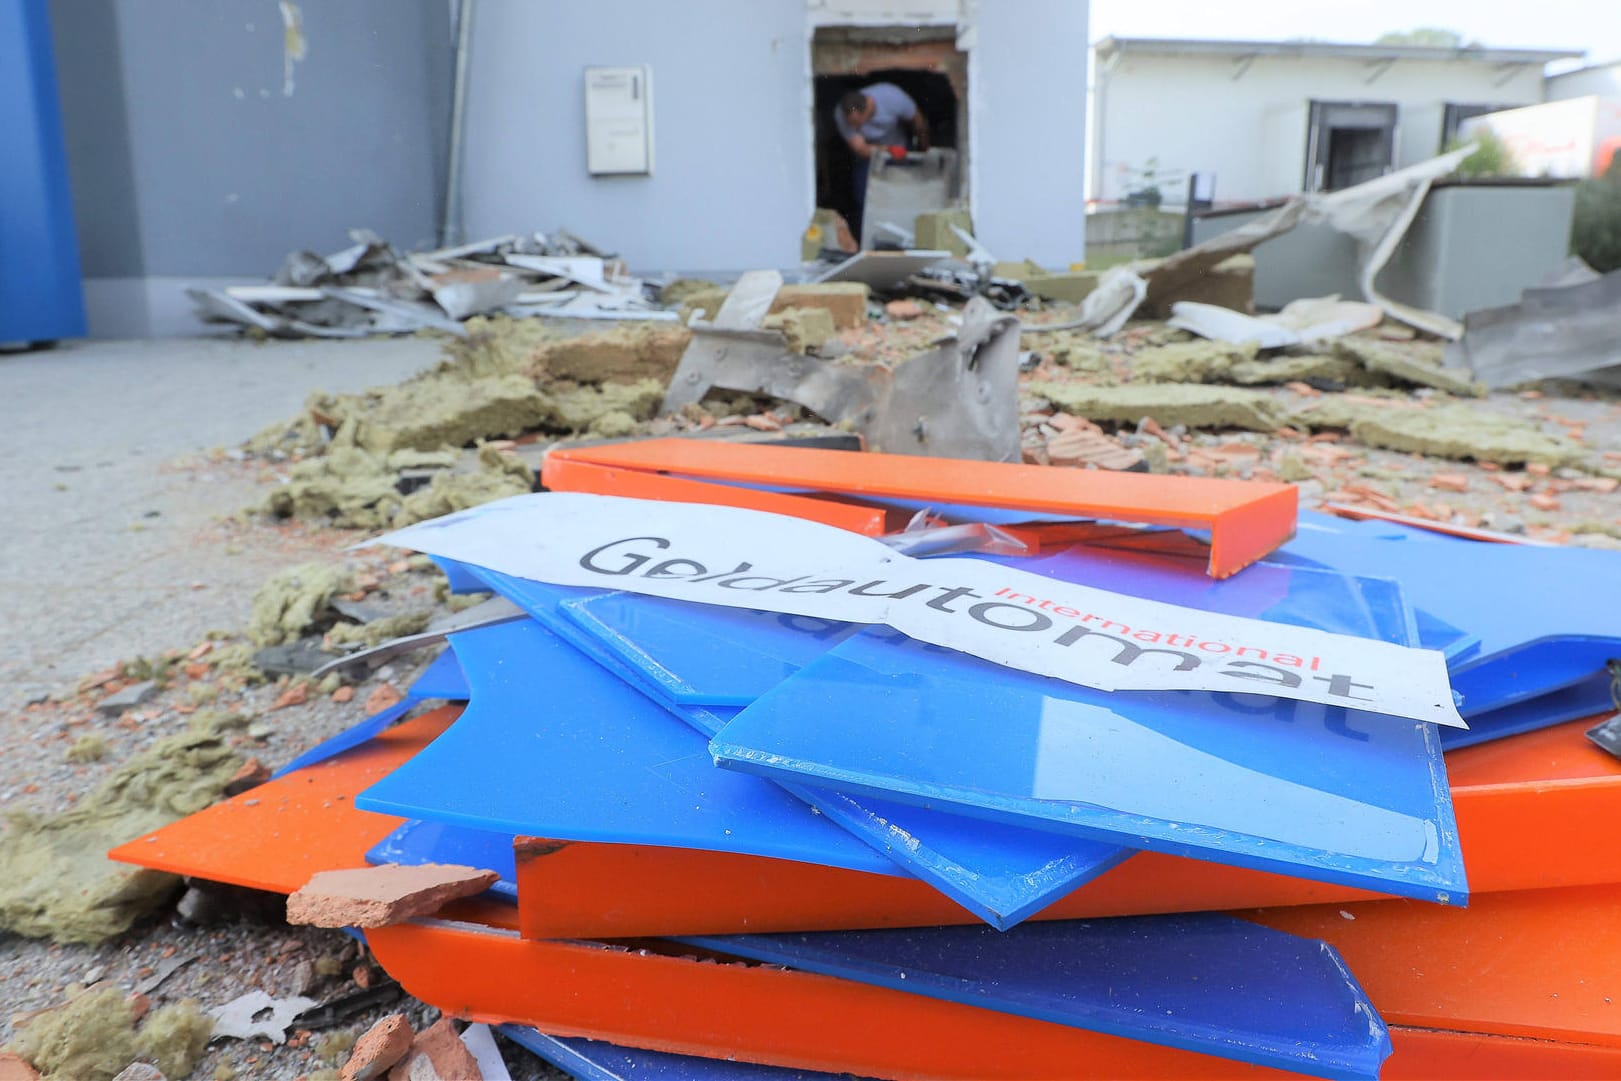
1093	637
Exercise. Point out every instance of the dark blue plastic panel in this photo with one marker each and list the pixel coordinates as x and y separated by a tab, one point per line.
1000	873
554	745
593	1060
1301	789
441	679
419	842
1202	982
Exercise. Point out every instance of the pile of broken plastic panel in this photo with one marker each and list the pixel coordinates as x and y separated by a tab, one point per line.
732	837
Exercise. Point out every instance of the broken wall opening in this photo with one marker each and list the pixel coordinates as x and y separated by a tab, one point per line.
923	61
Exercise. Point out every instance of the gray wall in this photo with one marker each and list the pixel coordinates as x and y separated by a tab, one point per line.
187	160
1027	94
731	128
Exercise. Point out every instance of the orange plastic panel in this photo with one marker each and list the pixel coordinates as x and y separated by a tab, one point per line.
1246	519
570	476
1533	811
805	1021
1544	964
1432	1055
276	836
1360	514
753	1013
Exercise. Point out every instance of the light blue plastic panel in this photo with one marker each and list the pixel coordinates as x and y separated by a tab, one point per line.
1000	873
419	842
441	679
594	1060
1315	791
1545	616
1202	982
554	745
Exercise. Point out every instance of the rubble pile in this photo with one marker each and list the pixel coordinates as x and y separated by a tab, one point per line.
372	288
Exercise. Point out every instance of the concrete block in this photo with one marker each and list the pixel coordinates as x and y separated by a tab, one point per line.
932	231
1230	284
1072	286
845	301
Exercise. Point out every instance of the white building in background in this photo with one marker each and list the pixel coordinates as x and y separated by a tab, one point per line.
1273	118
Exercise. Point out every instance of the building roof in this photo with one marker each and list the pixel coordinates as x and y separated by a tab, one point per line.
1112	46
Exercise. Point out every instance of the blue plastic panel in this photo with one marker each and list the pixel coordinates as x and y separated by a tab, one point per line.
1583	699
1545	616
710	655
441	679
1301	789
1000	873
554	745
593	1060
41	295
418	842
1202	982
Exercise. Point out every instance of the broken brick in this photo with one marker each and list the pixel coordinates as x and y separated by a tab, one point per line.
384	1044
296	695
383	696
903	309
1545	501
343	694
1450	482
438	1054
16	1068
379	896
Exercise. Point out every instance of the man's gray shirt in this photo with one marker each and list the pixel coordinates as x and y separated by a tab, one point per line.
892	105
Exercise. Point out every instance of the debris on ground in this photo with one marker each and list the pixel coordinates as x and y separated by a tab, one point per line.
257	1015
382	1045
371	288
100	1031
55	879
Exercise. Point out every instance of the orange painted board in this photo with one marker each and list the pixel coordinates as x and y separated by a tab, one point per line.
1246	519
751	1012
276	836
1533	812
722	1009
571	476
1543	964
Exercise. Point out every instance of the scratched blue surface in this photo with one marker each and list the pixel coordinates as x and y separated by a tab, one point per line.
1544	616
1202	982
1303	789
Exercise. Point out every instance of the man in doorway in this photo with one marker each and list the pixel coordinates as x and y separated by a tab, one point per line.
876	120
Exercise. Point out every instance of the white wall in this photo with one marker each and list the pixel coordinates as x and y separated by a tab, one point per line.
731	179
733	184
1027	104
1194	115
1601	80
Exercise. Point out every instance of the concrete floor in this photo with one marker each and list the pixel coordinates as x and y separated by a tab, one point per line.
108	553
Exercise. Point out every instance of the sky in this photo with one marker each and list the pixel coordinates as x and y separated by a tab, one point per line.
1593	25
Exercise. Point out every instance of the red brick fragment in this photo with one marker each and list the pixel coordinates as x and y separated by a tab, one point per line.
438	1054
382	697
379	896
16	1068
384	1044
